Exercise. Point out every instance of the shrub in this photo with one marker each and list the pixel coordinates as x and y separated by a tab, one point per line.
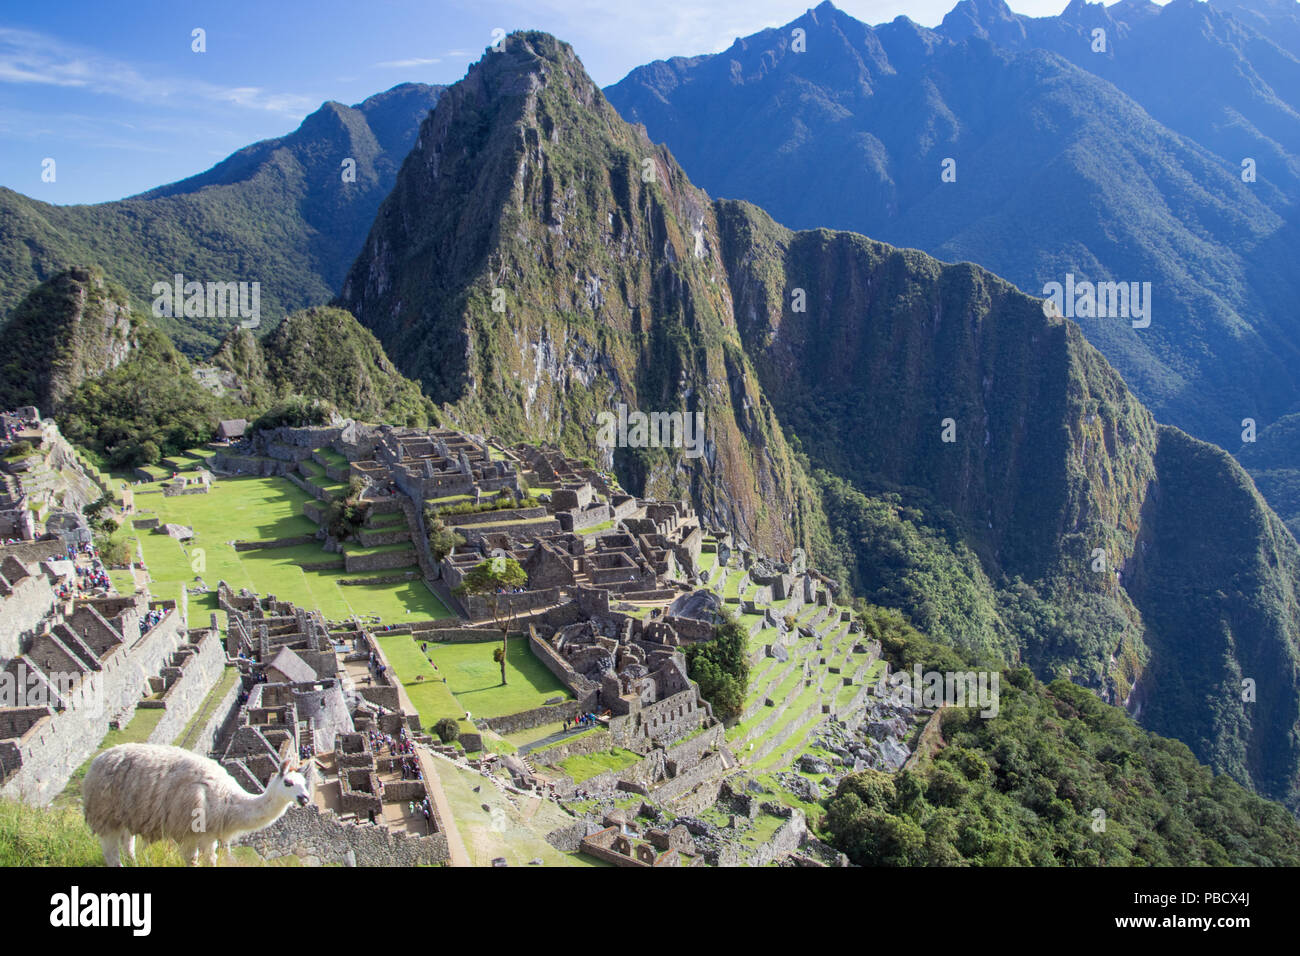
721	668
447	729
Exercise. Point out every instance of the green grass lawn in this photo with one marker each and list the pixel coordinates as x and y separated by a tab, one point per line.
475	678
250	509
585	766
504	829
431	697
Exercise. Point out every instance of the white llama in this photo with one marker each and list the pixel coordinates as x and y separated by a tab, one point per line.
166	793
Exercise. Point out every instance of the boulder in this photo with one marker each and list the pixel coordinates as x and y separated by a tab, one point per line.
809	763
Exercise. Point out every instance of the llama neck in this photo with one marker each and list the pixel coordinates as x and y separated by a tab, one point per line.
254	813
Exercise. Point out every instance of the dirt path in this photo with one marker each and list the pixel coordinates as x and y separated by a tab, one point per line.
433	784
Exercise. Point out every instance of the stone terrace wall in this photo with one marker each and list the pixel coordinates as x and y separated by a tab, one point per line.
382	561
480	605
528	719
183	698
22	610
225	717
460	635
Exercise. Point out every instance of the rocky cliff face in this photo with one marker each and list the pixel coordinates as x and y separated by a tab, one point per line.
71	328
1058	478
540	262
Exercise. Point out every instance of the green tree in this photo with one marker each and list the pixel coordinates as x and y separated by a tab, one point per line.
493	578
721	667
447	729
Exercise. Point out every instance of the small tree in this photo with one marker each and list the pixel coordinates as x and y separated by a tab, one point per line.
442	540
447	729
493	578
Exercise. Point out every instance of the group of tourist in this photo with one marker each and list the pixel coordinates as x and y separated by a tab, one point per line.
582	720
12	426
154	615
424	809
398	746
90	576
410	768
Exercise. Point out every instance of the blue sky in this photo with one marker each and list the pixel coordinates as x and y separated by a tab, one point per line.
115	95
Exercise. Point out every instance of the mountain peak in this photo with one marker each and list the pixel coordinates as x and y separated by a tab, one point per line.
986	19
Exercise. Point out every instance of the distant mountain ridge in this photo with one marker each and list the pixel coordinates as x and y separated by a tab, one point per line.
1121	165
278	212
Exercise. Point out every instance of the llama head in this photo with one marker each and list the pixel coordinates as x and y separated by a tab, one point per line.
290	784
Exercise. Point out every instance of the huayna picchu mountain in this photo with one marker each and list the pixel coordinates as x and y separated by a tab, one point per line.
286	213
540	261
982	466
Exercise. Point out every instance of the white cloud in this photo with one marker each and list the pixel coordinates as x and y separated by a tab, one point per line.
29	57
407	64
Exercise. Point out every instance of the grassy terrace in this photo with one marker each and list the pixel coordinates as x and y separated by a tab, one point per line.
504	829
764	637
732	589
806	716
332	457
431	697
449	501
585	766
475	678
262	509
743	729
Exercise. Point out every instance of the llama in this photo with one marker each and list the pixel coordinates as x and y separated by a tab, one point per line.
166	793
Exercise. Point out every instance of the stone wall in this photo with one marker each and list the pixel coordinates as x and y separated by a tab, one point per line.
492	517
212	735
579	686
711	767
275	542
28	602
480	606
228	461
183	699
528	719
383	561
460	635
589	743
